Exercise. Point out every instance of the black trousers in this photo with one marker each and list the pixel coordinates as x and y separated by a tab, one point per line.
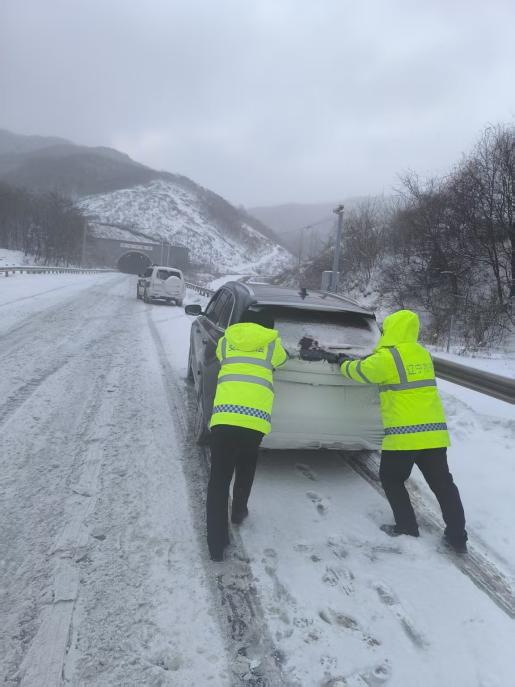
233	450
395	469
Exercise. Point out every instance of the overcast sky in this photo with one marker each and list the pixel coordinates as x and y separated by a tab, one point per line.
263	101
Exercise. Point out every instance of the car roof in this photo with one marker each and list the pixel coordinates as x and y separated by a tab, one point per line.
308	299
166	267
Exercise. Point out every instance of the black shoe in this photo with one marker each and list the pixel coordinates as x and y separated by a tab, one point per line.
237	517
395	531
457	545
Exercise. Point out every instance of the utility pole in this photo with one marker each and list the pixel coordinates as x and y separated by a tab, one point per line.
83	251
301	248
336	257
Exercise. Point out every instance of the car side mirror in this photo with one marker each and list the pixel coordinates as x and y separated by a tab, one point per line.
194	309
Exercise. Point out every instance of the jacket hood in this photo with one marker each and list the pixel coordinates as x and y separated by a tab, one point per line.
247	336
399	327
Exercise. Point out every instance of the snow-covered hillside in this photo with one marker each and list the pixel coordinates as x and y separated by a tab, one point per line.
185	214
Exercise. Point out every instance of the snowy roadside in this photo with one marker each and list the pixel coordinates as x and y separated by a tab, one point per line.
498	363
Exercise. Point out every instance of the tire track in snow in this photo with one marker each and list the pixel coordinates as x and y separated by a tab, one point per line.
61	336
35	295
64	312
255	661
144	615
23	394
40	608
44	661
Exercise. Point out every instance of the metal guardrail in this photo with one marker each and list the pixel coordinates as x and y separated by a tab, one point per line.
202	290
487	383
31	269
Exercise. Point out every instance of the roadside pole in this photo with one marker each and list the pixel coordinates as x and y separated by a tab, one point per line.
83	249
336	257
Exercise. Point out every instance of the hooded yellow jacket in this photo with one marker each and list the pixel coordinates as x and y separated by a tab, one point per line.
413	416
248	354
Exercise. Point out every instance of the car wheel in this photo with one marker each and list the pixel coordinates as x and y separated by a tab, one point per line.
200	429
179	303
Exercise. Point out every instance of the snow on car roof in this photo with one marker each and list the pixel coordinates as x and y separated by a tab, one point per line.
310	299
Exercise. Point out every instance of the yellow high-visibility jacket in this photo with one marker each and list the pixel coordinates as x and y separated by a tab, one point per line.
248	354
413	416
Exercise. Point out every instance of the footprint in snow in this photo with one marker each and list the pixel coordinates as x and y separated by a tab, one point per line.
281	593
388	598
375	552
318	502
339	577
306	471
332	617
373	677
337	547
270	560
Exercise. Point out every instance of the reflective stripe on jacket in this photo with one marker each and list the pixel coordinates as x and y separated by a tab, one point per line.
248	354
413	415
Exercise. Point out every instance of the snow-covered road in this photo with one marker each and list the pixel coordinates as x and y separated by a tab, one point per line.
105	578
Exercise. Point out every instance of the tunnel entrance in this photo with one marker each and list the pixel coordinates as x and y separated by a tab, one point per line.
133	262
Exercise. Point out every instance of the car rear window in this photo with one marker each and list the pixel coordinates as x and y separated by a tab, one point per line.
332	331
165	274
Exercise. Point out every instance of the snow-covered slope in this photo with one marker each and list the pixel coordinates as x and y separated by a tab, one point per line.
14	258
177	210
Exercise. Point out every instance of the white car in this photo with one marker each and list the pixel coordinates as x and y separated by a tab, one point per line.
161	283
315	406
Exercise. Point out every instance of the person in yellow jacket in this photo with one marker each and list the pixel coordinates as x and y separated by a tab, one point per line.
415	429
242	411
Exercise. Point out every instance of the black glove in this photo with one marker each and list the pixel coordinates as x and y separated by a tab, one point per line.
335	358
311	354
330	357
343	357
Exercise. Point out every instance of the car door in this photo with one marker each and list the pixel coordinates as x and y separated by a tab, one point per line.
215	322
198	340
202	337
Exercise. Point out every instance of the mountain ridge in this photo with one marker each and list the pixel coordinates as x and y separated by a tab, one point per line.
112	189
